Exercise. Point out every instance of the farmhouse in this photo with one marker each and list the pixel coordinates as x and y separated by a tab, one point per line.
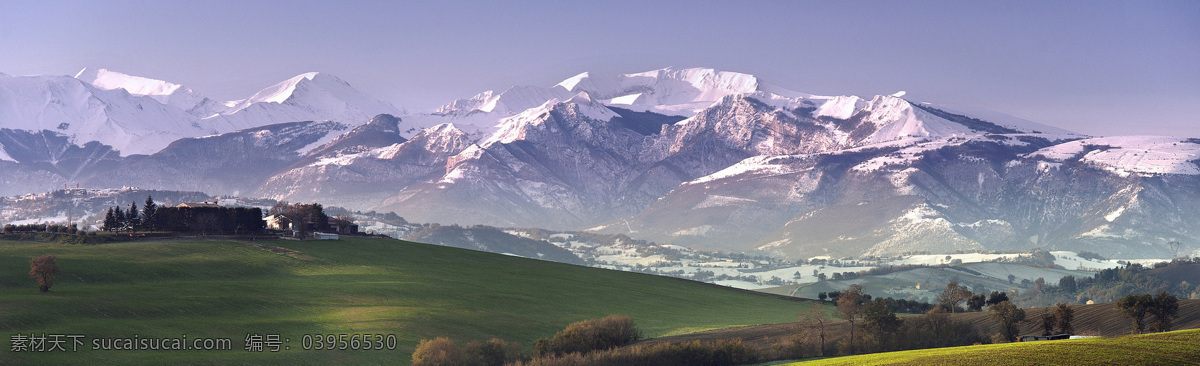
278	222
342	226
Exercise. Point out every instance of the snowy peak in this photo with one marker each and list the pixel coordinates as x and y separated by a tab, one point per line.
382	130
438	142
171	94
138	115
280	92
552	116
676	92
137	85
840	107
666	91
306	97
511	101
323	89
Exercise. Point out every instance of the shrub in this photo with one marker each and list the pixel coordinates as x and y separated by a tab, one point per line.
716	353
439	351
590	335
494	352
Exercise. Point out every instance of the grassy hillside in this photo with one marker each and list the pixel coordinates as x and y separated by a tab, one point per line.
229	289
1172	348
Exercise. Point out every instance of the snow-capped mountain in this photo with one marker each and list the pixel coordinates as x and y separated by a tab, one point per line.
665	91
370	172
701	157
996	192
227	164
137	115
61	129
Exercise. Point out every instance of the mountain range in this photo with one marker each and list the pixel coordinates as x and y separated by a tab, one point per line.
712	159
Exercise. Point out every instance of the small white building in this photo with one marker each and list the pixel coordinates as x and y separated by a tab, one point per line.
324	236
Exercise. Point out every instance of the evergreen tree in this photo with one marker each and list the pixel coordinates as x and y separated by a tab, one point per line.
119	219
148	211
110	221
132	221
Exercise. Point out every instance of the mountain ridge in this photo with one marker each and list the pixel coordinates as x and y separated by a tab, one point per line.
696	156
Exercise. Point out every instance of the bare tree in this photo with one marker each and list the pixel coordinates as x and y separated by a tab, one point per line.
43	269
937	319
816	314
850	307
953	295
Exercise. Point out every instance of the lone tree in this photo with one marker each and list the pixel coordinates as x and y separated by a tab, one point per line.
850	307
1009	316
43	269
1064	314
816	314
1135	307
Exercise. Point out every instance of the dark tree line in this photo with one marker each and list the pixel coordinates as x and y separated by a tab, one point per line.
202	220
72	228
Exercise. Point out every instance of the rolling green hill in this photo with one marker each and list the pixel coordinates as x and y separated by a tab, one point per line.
1171	348
377	286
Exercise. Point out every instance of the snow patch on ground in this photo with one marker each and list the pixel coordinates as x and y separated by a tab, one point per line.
763	164
840	107
1112	216
1124	155
718	201
701	230
4	155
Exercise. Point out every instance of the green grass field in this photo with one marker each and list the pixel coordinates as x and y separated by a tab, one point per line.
375	286
1172	348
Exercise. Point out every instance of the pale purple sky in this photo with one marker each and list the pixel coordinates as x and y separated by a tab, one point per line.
1096	67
